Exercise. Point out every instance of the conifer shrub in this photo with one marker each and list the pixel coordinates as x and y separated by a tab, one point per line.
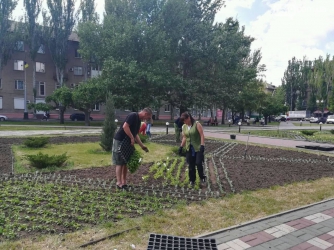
44	160
308	132
109	125
36	142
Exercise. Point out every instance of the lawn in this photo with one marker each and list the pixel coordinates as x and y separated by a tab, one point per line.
318	136
84	155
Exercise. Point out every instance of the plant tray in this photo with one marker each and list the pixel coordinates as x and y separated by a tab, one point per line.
168	242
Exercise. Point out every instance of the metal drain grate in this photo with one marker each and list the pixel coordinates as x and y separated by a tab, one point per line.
168	242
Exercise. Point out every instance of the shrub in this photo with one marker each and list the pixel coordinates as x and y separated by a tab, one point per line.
109	125
134	161
143	138
308	132
332	131
36	142
175	150
44	160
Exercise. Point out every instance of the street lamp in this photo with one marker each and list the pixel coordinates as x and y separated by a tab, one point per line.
167	124
116	122
301	122
321	104
229	123
320	123
239	123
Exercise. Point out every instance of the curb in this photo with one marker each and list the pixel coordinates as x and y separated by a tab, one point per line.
261	219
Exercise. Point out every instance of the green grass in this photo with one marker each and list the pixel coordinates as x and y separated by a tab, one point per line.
83	155
50	123
319	136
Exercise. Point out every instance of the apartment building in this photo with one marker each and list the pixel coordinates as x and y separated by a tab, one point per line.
19	70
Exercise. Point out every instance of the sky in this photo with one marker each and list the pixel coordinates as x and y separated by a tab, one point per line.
282	29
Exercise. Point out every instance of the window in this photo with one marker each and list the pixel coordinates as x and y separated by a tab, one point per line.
77	71
18	103
40	67
167	108
19	84
41	87
19	45
41	49
18	65
0	84
77	54
0	102
97	107
57	85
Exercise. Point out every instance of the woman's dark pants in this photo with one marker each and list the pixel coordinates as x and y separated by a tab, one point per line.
194	161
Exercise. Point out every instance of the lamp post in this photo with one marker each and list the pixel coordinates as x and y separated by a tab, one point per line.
116	122
25	114
301	123
239	123
320	123
229	123
167	124
321	104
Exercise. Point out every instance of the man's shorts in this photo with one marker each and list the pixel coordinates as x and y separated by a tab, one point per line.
116	159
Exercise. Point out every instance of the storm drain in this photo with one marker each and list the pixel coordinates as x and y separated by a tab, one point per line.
168	242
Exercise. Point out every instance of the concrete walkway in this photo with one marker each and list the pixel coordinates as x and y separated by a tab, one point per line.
310	227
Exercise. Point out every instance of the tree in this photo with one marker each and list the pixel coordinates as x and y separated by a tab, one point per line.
33	33
87	95
109	125
7	33
61	99
58	26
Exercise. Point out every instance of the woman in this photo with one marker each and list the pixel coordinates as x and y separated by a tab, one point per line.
149	123
193	138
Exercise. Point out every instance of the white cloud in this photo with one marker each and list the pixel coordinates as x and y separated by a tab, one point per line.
292	28
230	9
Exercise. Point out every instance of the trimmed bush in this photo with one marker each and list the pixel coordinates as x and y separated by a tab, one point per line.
143	138
332	131
308	132
36	142
134	162
44	160
175	150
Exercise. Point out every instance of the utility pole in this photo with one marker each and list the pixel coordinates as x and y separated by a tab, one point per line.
25	114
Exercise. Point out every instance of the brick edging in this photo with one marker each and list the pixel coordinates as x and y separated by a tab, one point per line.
261	219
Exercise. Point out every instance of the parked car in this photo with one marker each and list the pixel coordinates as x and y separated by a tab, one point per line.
322	119
280	118
330	119
79	117
313	119
3	118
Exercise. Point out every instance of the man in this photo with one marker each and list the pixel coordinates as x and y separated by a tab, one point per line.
178	129
129	128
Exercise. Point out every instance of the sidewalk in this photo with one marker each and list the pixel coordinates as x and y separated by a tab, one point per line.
310	227
265	140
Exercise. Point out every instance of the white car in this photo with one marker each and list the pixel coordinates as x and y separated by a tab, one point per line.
313	119
3	118
330	119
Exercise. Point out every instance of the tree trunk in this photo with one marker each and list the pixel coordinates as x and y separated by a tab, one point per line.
223	115
61	114
87	120
34	90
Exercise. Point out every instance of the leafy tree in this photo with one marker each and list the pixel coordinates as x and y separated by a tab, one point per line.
59	25
33	34
60	99
109	125
87	95
7	34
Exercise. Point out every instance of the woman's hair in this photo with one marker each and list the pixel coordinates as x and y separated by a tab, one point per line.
186	115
